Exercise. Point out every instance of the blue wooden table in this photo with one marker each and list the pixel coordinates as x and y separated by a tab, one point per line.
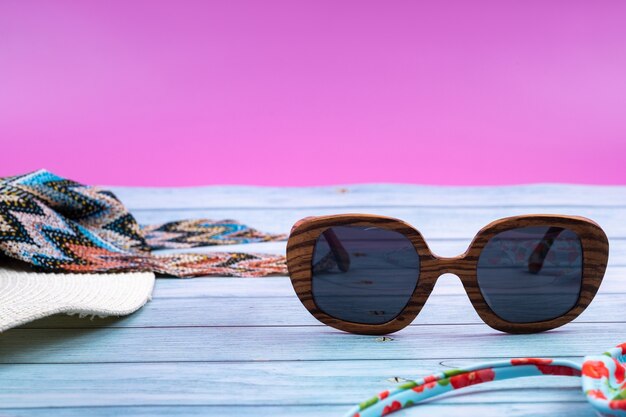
246	347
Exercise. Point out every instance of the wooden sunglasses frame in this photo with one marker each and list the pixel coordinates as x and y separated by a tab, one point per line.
304	235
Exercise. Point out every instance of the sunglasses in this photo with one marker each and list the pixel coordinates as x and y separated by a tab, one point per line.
370	274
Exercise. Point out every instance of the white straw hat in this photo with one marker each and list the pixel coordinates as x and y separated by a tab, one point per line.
26	296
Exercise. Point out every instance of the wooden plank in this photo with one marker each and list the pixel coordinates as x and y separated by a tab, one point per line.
512	409
371	195
433	223
246	384
209	311
211	344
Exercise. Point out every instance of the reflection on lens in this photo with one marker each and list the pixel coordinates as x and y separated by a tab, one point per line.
363	274
531	274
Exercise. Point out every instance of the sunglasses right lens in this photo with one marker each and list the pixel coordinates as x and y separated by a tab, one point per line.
363	274
531	274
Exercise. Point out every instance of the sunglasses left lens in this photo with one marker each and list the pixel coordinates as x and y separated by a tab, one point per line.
531	274
363	274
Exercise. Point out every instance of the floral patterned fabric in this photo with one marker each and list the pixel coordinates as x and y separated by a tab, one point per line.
603	382
58	225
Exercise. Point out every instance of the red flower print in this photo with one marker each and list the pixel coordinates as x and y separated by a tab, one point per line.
383	395
558	370
595	369
471	378
544	366
530	361
430	378
623	347
395	406
419	388
429	382
357	415
427	385
618	404
619	371
596	393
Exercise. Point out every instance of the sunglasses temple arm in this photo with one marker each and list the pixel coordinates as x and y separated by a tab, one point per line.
539	254
342	257
413	392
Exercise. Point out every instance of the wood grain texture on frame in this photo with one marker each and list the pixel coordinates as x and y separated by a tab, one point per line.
304	234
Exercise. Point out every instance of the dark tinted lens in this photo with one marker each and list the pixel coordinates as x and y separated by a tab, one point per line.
363	274
532	273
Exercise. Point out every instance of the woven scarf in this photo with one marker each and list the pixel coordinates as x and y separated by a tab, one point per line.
58	225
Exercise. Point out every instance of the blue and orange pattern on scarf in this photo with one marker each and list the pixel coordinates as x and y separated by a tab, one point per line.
58	225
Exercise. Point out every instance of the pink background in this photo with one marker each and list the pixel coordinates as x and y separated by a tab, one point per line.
314	92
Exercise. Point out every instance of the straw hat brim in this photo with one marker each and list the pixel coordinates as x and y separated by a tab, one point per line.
26	295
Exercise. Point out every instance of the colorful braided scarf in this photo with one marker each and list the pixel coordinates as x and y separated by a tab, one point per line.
58	225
